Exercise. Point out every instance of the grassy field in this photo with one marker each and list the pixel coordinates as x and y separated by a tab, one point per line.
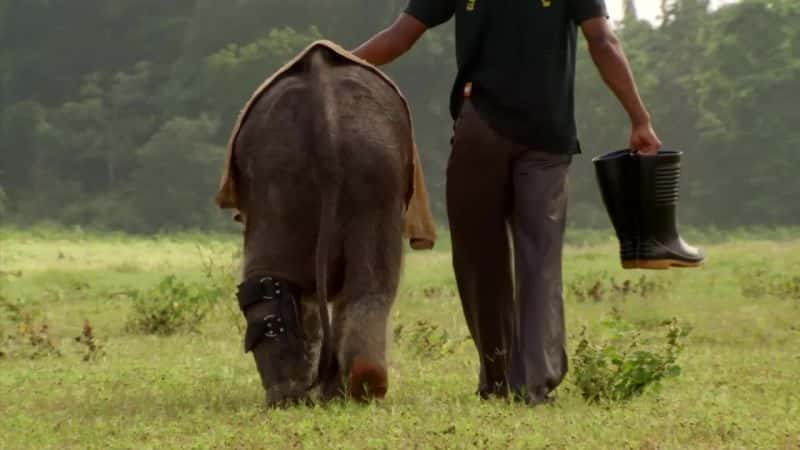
196	389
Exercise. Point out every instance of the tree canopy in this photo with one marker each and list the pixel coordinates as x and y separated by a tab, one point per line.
115	113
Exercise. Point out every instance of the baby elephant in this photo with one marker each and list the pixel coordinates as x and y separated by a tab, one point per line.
323	162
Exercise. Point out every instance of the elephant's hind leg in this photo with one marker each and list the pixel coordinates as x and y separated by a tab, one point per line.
373	255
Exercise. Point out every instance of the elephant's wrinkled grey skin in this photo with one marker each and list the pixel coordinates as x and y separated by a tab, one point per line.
323	163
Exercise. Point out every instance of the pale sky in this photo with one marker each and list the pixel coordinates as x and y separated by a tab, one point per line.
648	9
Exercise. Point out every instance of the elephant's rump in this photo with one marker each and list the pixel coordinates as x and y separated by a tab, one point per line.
420	227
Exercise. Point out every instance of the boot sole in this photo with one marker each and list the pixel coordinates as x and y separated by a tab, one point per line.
367	381
659	264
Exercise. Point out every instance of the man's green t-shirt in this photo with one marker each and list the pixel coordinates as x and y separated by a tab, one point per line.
519	56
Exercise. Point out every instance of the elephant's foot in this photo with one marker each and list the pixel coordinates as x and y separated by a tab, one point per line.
287	395
368	380
332	391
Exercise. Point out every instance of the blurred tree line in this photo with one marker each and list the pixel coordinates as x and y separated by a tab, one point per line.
115	113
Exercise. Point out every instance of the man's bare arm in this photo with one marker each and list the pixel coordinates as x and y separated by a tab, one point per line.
610	60
392	42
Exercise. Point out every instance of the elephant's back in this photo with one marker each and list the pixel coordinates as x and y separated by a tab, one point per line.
326	124
366	132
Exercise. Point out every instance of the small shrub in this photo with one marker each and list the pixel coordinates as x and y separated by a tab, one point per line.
26	337
600	287
642	287
221	273
28	341
763	283
15	311
439	292
624	366
754	284
170	307
427	340
92	346
586	289
21	335
787	287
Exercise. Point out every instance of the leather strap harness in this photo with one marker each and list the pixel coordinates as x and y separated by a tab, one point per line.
281	323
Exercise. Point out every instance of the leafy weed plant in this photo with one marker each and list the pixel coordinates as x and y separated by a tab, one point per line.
624	366
221	275
27	337
93	349
763	283
170	307
600	287
427	340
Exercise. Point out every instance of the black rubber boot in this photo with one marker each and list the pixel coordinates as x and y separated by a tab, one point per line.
617	178
660	246
640	193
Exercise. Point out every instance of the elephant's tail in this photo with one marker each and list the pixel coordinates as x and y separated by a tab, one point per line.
327	225
329	180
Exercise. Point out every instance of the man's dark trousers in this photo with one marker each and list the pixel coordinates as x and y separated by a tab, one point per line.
495	186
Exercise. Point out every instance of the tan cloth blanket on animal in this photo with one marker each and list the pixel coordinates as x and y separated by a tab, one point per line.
420	227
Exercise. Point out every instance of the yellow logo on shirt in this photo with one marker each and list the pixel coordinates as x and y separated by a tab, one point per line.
547	3
471	4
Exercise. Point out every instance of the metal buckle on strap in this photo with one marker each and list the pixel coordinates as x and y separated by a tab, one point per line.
274	326
270	287
468	89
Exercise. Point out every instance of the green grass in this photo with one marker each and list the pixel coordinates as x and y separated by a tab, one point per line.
738	388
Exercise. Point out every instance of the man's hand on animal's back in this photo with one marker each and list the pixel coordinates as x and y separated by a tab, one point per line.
610	60
392	42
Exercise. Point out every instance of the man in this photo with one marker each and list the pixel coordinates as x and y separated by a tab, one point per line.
514	139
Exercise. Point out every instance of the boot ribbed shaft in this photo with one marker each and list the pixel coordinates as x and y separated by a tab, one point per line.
667	181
